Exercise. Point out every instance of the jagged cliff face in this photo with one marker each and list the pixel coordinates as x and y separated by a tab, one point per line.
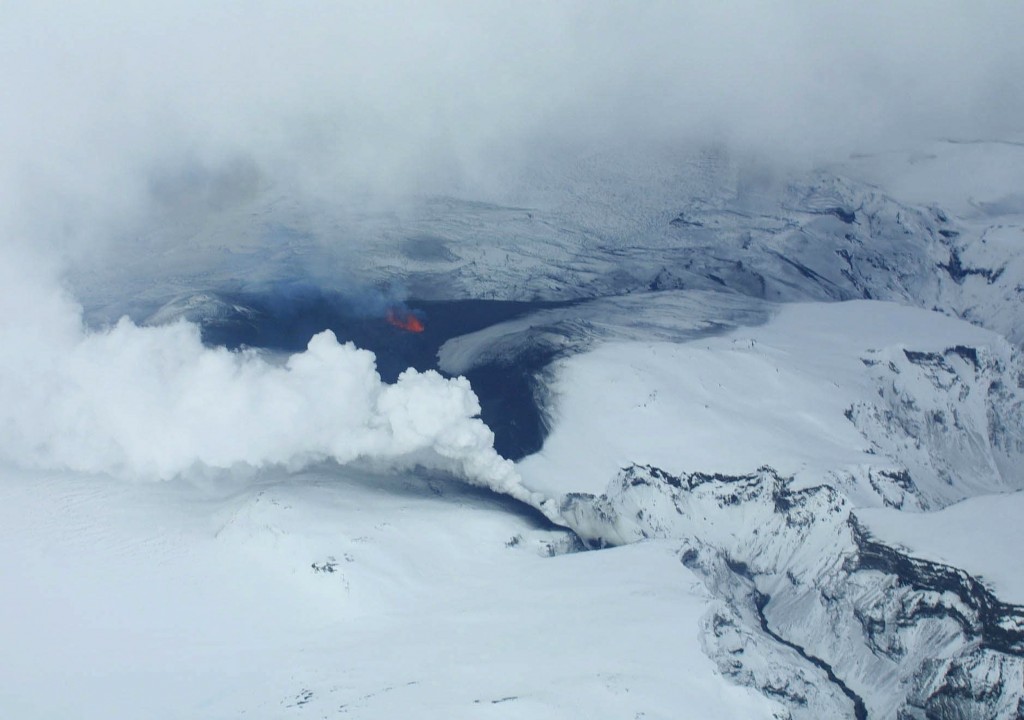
950	421
813	611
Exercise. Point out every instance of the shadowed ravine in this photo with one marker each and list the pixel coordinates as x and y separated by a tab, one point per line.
860	711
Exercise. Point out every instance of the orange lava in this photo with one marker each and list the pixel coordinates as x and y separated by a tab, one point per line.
404	320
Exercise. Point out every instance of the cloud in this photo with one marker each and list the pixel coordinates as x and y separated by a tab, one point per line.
323	98
152	402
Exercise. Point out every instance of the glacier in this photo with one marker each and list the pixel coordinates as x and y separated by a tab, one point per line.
761	406
560	360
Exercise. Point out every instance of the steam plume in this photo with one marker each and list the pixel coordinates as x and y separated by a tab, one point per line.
152	402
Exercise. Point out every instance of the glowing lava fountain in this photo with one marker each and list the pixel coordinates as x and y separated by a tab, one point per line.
404	320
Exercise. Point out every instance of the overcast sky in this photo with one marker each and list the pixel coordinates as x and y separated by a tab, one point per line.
102	99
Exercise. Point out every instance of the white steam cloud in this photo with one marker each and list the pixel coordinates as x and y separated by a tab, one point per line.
153	402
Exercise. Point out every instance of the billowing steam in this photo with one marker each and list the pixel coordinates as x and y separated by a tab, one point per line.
153	402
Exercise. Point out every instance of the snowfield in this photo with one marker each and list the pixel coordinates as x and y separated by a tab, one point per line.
335	593
777	394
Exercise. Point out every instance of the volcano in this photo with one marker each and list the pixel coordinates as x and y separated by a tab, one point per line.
404	320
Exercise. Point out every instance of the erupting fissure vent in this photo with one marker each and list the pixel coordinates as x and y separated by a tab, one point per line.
404	320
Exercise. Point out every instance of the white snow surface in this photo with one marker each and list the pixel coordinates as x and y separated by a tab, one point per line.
333	594
773	395
982	535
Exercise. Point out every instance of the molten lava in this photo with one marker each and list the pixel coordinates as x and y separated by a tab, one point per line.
404	320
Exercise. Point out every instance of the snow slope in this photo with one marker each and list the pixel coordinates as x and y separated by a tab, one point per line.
753	449
983	535
798	393
334	593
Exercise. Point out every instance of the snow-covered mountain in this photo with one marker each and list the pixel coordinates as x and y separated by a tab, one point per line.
768	432
756	450
773	399
511	360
